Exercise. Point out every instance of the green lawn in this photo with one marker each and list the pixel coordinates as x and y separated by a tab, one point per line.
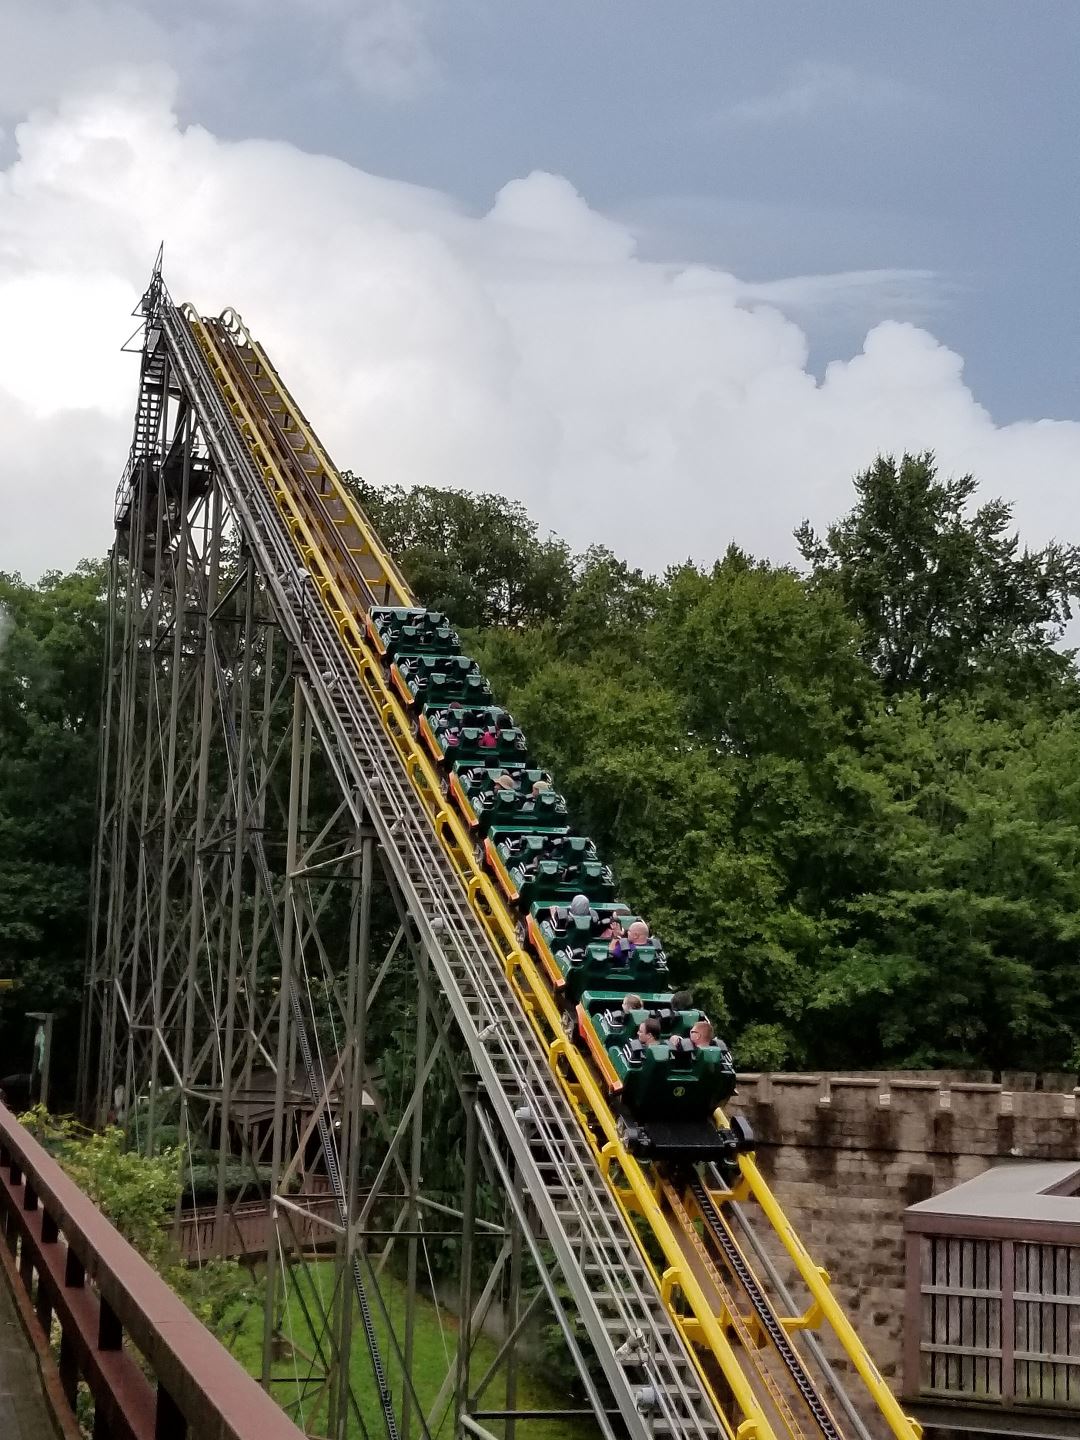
434	1348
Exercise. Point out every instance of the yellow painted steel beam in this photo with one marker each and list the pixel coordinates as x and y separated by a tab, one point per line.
816	1281
403	595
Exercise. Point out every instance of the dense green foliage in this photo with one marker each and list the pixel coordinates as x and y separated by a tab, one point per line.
945	597
848	799
139	1194
51	654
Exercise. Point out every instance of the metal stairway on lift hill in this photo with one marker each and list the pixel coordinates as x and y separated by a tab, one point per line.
666	1356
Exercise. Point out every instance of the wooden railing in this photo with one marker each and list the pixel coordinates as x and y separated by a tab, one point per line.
82	1276
245	1229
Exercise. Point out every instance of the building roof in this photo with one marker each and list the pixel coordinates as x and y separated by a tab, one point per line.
1006	1199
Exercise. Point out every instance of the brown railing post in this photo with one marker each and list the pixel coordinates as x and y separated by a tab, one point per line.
110	1331
69	1368
74	1274
43	1306
169	1422
26	1267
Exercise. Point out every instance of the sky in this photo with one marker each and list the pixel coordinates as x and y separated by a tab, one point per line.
671	275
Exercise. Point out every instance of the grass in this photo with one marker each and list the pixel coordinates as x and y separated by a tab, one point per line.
298	1388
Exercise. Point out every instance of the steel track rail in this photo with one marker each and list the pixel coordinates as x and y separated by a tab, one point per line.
721	1236
634	1338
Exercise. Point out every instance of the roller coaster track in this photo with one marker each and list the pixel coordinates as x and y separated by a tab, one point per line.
675	1316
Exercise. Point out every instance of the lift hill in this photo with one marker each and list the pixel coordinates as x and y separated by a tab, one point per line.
673	1274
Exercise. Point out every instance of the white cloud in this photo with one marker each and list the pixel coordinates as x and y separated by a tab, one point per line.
386	48
663	409
52	48
814	86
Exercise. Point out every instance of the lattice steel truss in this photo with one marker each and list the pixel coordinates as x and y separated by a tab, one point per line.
258	992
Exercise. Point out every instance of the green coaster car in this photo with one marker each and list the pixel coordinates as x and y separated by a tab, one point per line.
511	802
395	630
513	809
440	680
669	1079
575	951
533	867
481	735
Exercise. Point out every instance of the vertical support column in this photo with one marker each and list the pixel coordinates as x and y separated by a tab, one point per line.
142	900
91	1034
468	1236
352	1116
1008	1321
179	624
114	834
913	1312
284	1028
416	1143
197	911
118	940
513	1308
237	905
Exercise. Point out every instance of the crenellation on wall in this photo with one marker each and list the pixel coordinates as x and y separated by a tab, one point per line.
887	1113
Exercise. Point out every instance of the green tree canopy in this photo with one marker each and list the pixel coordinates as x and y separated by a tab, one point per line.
944	593
479	558
50	694
844	799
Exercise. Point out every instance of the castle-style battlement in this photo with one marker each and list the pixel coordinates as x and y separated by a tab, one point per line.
924	1115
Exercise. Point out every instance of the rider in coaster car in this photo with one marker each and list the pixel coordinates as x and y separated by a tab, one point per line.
701	1035
622	947
648	1032
616	1019
580	907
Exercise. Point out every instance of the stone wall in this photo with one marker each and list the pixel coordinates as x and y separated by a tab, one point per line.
847	1153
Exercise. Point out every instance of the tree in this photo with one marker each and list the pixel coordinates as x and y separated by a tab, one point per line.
944	594
478	558
611	605
766	664
50	689
963	951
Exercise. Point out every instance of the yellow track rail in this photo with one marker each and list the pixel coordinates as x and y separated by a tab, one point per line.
637	1192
